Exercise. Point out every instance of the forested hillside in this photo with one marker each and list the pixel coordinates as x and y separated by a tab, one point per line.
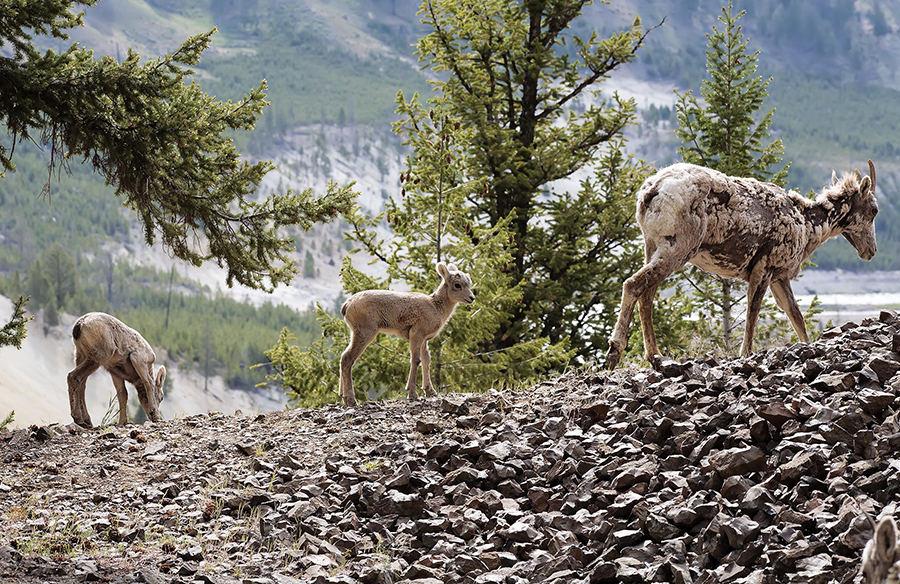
339	65
833	62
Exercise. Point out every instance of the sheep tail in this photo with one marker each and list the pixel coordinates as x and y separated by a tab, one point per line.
344	307
76	330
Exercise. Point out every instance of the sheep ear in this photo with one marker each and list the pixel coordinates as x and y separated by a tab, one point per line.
864	185
886	539
834	178
452	268
442	270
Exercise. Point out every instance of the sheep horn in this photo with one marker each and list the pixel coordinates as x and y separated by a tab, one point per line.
872	175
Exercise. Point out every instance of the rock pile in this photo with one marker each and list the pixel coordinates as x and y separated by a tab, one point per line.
757	470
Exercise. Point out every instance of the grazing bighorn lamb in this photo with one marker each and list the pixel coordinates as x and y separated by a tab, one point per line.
104	341
881	556
738	228
411	315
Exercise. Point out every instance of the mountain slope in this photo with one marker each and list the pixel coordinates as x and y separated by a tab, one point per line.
767	469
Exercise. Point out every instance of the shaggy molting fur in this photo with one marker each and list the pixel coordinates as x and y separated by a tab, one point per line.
738	228
881	556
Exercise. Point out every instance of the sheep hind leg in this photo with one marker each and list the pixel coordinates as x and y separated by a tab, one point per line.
646	279
122	396
359	340
756	290
645	307
77	379
784	298
427	387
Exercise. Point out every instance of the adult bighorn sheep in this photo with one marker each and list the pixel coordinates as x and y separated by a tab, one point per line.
738	228
104	341
881	556
411	315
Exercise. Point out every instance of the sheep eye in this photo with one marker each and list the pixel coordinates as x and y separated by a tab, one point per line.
457	286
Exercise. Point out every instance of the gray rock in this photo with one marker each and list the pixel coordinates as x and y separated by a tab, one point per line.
521	531
740	531
804	464
833	382
736	461
874	402
776	413
397	503
884	368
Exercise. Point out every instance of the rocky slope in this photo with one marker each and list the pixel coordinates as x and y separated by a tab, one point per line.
757	470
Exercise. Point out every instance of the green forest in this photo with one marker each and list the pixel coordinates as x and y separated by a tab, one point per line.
65	233
56	251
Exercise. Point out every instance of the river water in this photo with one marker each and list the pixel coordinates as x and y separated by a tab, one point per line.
848	296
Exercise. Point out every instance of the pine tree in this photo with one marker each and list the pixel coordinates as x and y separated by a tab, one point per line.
723	134
309	266
59	269
38	284
512	72
880	26
51	311
548	265
14	331
161	142
429	223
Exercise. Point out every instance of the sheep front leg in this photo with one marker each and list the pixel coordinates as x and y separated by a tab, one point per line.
359	340
122	395
77	379
415	357
146	390
619	338
784	298
426	372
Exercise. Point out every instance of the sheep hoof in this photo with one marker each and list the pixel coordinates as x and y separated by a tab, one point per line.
613	355
430	392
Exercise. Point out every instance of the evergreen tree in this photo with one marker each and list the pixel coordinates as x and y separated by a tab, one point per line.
14	331
512	72
37	284
429	222
163	143
51	311
59	269
880	26
723	134
309	266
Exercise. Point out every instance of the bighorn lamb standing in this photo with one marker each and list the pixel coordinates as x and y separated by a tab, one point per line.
881	557
410	315
738	228
104	341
